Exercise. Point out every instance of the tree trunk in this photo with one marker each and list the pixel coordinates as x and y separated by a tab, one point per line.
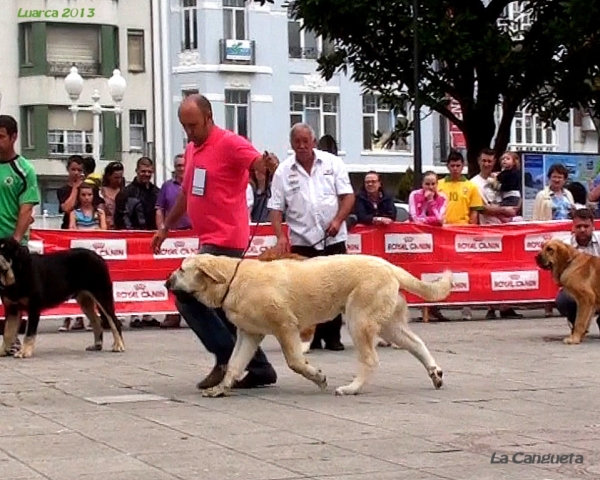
503	134
480	127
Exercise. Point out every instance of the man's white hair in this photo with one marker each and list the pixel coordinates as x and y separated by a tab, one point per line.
302	126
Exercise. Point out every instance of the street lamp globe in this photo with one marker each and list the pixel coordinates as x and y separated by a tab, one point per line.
74	84
117	86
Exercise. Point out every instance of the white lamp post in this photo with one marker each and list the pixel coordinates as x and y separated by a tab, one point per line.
116	87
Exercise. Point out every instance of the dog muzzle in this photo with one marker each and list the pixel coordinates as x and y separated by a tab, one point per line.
542	263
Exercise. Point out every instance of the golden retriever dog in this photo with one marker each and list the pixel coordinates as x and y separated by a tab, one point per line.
272	254
579	275
283	298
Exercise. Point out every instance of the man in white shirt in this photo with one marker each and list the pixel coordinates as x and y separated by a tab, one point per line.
491	212
312	188
584	239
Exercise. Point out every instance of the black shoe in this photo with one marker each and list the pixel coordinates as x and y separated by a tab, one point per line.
510	313
213	378
335	346
257	378
491	314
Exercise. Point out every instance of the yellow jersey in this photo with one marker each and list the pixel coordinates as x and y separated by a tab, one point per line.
462	198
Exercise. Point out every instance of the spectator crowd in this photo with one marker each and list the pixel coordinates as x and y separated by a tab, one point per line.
311	191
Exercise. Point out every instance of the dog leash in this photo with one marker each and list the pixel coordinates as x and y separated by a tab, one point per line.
263	208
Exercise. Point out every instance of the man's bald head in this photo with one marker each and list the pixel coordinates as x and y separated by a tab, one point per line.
195	116
199	101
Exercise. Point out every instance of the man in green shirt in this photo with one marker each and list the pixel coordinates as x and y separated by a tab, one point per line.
18	191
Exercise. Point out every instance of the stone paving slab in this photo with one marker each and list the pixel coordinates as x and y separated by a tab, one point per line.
511	386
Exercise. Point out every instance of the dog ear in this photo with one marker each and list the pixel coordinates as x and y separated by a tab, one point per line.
563	254
211	271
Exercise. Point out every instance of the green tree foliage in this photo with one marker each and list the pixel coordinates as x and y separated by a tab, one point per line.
469	51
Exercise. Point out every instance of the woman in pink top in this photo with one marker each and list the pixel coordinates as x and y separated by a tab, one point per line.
427	205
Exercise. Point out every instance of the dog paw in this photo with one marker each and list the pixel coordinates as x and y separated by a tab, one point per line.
215	392
321	380
93	348
436	374
4	352
346	390
23	353
118	347
571	340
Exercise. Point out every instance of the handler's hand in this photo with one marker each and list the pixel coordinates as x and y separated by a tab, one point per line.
271	162
333	228
158	239
283	245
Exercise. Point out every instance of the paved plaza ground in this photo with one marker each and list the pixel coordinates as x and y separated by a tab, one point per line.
511	386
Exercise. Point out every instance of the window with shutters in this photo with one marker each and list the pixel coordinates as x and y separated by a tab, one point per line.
135	51
68	138
68	45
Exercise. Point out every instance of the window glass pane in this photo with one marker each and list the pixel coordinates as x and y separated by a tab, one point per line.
297	102
294	119
230	117
330	126
330	103
368	128
313	100
228	23
240	27
313	118
368	103
384	121
243	121
294	49
310	45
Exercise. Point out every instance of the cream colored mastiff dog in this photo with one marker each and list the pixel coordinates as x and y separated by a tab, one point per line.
284	297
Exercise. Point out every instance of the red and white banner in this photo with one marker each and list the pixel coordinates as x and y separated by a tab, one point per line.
491	265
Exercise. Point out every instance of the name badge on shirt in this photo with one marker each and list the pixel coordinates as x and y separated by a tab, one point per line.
199	182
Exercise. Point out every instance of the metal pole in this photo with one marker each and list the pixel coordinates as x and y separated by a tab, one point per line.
96	112
417	155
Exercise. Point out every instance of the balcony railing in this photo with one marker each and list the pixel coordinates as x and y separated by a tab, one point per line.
308	53
63	68
237	52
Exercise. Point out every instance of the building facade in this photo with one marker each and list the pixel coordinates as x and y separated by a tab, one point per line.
258	68
42	41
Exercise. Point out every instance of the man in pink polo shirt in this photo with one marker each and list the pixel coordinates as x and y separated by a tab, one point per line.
213	193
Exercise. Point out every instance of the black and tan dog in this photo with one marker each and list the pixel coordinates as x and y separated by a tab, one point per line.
31	283
579	275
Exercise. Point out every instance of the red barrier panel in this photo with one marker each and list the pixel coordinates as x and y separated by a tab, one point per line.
491	265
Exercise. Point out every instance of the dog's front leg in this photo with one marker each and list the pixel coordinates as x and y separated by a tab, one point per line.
582	323
11	328
245	348
33	320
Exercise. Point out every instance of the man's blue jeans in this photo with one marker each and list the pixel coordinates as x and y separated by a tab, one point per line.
213	329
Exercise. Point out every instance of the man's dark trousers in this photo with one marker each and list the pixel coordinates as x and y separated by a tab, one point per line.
329	332
212	327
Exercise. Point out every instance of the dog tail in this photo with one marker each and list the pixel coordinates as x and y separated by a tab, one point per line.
431	291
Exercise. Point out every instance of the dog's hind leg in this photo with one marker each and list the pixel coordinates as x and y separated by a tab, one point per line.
363	334
399	332
11	328
291	344
88	306
245	347
106	305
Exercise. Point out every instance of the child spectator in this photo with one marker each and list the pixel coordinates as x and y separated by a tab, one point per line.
85	216
508	183
427	205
